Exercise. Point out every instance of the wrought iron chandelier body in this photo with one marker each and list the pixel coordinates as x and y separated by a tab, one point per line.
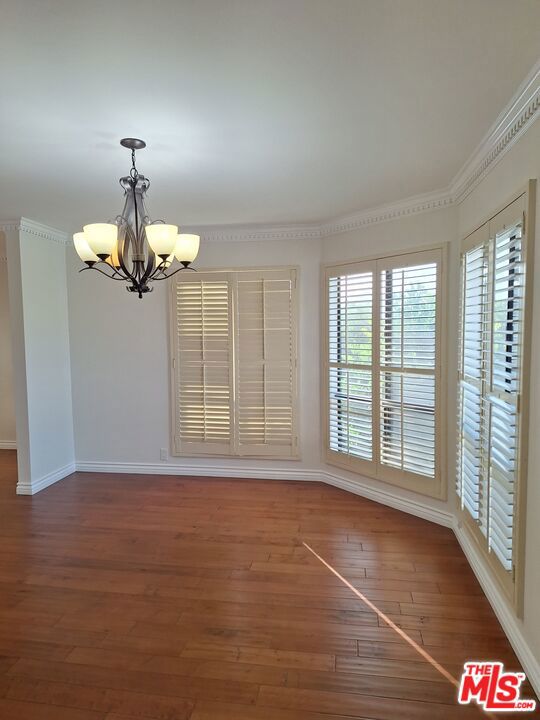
135	249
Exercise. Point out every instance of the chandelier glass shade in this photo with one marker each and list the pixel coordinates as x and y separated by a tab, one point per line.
133	248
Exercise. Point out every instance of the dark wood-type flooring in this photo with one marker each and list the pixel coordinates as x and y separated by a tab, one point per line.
126	597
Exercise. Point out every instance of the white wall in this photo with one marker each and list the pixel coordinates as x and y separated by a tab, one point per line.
409	233
519	164
40	337
7	406
120	364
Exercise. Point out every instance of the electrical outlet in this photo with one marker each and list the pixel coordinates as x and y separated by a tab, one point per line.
163	454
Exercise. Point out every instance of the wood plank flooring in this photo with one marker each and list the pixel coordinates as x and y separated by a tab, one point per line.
126	597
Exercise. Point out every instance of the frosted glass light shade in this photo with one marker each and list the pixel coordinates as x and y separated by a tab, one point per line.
162	238
83	248
187	247
101	238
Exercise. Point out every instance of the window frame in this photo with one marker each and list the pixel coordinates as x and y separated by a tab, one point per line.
436	487
510	581
174	364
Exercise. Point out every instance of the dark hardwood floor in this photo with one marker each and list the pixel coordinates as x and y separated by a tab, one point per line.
126	597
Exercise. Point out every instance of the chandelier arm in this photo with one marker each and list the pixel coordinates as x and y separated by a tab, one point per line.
120	278
180	269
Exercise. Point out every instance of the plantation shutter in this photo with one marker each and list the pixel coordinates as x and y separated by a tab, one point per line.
265	363
203	364
350	358
409	363
505	377
383	368
474	344
492	321
234	356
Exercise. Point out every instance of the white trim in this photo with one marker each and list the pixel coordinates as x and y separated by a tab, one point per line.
359	486
244	233
228	471
516	118
35	228
512	123
512	627
8	444
49	479
425	202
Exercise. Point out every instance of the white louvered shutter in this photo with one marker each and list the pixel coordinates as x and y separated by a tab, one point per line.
409	366
383	368
474	346
265	319
234	337
350	358
505	381
491	356
202	333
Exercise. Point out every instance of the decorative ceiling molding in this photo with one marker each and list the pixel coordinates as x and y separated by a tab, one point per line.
242	233
512	123
35	228
510	126
393	211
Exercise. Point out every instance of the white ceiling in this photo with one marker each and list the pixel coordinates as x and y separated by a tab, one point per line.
254	111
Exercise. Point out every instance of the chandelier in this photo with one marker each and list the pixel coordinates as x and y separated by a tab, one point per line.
133	248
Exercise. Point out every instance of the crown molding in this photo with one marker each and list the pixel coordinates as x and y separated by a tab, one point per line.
511	124
45	232
410	206
426	202
247	233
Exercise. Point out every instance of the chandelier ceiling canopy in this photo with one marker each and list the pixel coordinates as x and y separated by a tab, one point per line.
134	248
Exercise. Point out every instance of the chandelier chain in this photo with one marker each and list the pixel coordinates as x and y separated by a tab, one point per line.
133	172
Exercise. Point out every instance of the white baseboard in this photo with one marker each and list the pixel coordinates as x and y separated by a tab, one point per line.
228	471
8	444
510	624
384	497
45	481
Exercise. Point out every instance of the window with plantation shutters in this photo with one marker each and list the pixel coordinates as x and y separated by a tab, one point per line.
234	357
491	373
203	359
350	332
382	369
